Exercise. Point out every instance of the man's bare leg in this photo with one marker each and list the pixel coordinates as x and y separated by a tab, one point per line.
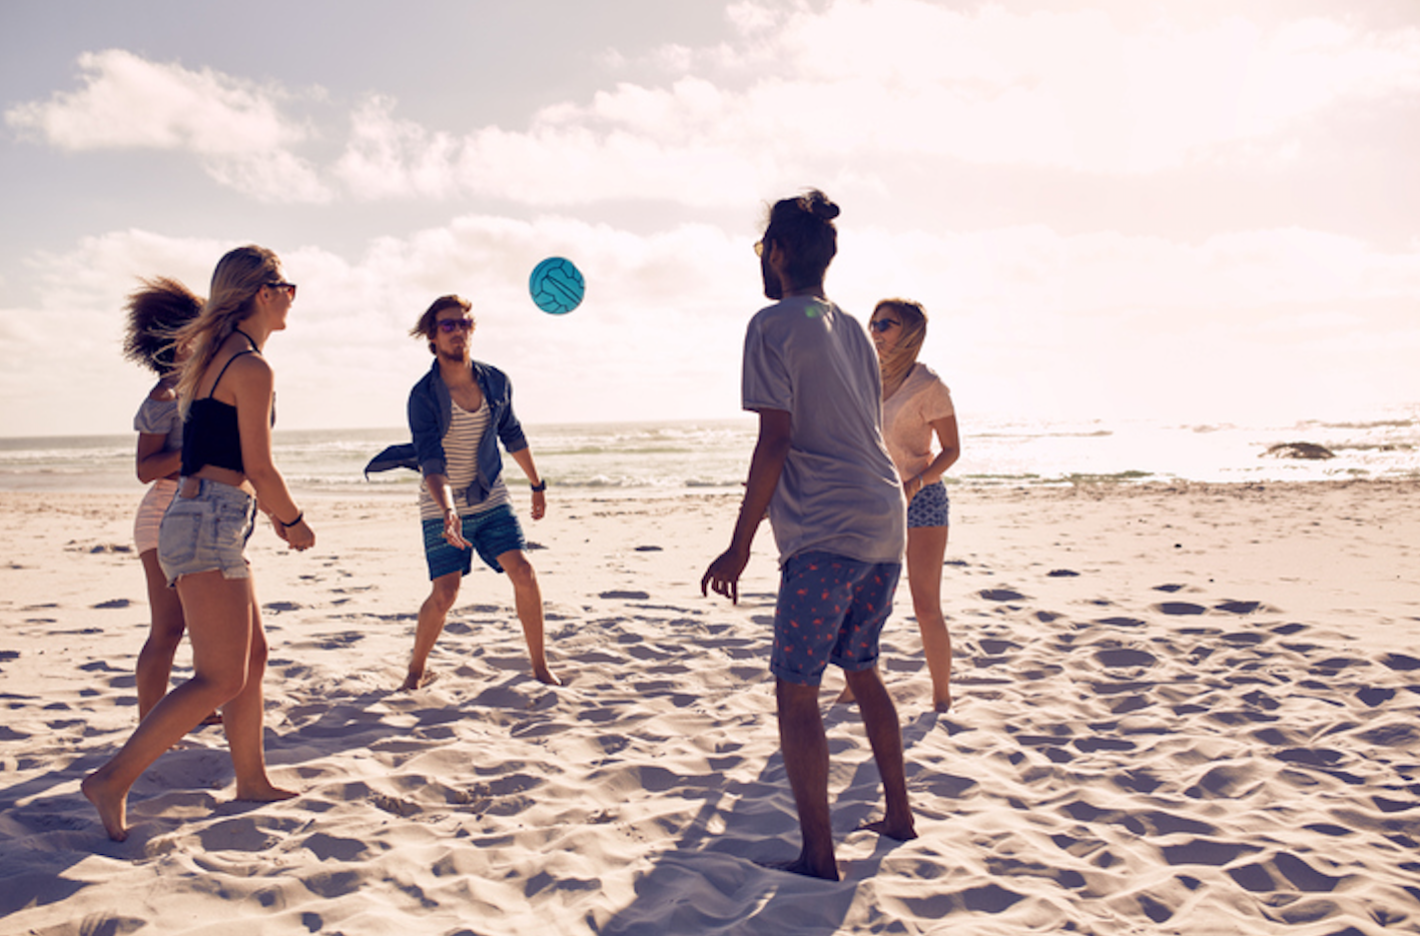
805	746
432	614
885	736
527	598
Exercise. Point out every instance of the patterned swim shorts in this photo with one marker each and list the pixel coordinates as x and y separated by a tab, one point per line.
831	609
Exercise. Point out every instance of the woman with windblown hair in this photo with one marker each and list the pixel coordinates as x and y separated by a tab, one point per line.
156	312
225	393
916	407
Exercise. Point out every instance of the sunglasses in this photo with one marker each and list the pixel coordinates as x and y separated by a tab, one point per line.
449	326
290	288
882	325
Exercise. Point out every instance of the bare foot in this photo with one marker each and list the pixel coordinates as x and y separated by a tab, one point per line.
903	832
544	675
944	704
845	696
416	681
801	866
264	791
113	812
214	719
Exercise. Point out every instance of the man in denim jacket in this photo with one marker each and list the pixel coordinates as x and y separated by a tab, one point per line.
458	414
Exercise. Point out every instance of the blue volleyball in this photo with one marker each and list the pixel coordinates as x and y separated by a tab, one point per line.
556	285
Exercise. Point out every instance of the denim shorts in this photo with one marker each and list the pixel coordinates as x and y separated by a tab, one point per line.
207	532
492	533
831	609
929	507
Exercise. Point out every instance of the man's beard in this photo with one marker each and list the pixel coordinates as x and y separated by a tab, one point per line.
773	287
452	358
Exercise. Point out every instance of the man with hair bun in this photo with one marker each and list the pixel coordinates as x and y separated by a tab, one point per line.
821	470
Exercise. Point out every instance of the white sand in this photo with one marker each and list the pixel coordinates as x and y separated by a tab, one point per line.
1179	710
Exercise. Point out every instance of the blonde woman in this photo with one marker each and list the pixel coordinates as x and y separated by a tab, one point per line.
156	311
225	392
917	407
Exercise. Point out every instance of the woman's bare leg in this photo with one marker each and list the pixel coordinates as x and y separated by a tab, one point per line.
221	610
155	660
926	548
243	717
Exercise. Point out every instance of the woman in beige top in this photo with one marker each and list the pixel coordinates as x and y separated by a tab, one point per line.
916	407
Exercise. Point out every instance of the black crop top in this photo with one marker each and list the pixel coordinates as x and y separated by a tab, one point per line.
210	435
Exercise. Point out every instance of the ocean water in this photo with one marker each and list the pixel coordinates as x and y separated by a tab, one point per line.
713	455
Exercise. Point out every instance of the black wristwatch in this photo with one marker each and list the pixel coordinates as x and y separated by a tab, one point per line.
540	486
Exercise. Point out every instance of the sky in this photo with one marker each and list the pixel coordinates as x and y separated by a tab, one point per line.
1186	210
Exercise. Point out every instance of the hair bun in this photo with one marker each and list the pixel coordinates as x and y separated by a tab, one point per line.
823	208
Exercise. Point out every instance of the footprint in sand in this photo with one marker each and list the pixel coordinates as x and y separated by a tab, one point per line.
1241	607
1124	657
1262	876
1400	662
1121	622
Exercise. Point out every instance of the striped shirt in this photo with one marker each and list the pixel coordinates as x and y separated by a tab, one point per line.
461	462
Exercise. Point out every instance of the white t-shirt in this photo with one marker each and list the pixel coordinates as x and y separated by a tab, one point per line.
908	416
839	492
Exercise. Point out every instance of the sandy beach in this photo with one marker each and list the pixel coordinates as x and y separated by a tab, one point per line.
1187	709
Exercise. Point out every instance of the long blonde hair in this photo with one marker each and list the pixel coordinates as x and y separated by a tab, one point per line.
239	276
897	363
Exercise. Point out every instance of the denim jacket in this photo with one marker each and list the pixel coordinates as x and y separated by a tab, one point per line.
431	411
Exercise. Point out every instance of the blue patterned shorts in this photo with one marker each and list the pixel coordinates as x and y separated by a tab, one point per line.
929	507
492	533
831	609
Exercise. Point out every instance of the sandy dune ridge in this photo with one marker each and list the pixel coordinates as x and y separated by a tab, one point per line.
1180	709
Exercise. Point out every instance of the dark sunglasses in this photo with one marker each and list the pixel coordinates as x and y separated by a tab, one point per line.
882	325
289	287
449	326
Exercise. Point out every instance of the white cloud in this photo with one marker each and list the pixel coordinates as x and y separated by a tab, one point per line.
809	93
235	127
801	92
560	160
386	157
